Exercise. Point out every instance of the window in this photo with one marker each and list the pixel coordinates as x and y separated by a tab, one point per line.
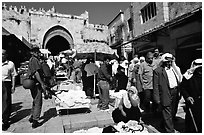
148	12
130	24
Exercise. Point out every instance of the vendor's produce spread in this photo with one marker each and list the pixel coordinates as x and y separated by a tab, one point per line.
70	96
129	127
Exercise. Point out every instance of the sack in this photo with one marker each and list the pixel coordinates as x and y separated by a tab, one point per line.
28	83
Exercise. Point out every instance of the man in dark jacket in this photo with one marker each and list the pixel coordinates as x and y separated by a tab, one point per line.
165	88
191	89
104	78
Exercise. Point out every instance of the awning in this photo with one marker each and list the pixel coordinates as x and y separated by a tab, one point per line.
5	32
26	42
17	51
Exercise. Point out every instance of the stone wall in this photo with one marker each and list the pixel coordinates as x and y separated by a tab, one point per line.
16	21
33	24
139	27
179	8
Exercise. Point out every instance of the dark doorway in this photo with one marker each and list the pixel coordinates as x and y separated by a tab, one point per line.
184	56
57	44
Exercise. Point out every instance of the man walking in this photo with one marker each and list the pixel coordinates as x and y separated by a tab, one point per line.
146	75
36	72
104	78
8	87
166	79
191	89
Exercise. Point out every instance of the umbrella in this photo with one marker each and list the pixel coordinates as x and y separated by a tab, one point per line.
70	52
94	50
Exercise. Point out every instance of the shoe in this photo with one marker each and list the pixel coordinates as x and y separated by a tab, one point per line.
105	110
175	131
30	119
36	124
5	126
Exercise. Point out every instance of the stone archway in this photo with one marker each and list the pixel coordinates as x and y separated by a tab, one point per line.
57	39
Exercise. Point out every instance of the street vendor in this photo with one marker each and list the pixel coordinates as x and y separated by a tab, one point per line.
128	108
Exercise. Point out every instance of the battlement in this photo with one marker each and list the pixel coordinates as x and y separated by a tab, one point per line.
41	11
98	26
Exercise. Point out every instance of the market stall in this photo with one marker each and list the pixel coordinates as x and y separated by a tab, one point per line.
70	96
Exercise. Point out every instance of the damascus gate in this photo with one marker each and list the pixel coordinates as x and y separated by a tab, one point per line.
52	30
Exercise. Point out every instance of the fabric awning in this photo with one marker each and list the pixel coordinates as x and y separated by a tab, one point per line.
5	32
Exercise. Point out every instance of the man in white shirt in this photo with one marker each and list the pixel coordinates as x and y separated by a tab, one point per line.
8	87
166	79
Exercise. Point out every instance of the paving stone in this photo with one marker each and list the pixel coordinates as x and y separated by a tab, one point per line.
54	129
66	121
54	121
83	121
104	119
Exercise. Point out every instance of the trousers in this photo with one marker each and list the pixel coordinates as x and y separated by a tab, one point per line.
104	97
36	94
6	101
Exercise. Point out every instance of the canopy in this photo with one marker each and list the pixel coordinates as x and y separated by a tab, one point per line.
95	50
17	51
45	51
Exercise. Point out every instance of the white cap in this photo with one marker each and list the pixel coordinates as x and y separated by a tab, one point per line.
142	58
167	57
198	61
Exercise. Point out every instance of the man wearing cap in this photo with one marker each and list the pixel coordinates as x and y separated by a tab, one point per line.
36	72
166	79
142	59
191	89
8	87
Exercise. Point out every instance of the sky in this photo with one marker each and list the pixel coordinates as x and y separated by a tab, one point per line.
99	12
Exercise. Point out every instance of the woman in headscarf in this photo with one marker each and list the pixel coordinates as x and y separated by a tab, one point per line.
128	107
191	89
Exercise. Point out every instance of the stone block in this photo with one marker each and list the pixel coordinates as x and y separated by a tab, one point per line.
54	129
83	121
104	119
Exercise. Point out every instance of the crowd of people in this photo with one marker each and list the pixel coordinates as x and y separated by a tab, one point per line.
154	84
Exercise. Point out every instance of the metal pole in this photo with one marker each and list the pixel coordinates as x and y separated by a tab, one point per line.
94	91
